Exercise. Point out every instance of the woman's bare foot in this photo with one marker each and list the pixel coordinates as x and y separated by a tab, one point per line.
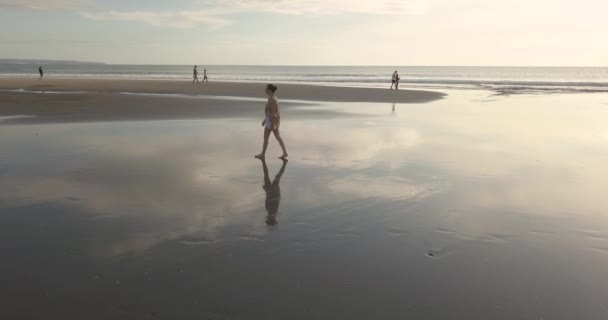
259	156
284	157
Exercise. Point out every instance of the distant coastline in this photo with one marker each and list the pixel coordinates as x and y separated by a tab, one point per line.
46	62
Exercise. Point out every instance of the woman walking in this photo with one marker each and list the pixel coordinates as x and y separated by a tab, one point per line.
272	121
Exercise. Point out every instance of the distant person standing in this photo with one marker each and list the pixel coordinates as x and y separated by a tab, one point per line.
397	79
205	79
195	75
394	79
41	72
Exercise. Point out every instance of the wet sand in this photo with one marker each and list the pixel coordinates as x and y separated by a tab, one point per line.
99	107
233	89
472	207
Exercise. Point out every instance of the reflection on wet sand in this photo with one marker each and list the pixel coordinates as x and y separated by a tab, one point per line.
273	192
450	210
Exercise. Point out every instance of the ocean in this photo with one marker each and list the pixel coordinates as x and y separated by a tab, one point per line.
508	80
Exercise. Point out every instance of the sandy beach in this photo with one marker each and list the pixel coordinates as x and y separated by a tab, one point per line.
459	208
421	160
68	100
232	89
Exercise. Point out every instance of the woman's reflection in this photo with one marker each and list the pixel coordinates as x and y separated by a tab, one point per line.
273	193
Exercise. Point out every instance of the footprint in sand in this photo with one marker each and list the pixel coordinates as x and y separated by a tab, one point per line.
303	223
595	235
542	233
196	241
250	238
348	234
437	253
602	250
446	231
397	232
496	237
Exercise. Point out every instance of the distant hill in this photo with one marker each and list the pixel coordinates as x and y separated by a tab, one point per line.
47	62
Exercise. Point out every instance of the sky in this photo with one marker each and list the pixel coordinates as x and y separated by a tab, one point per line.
308	32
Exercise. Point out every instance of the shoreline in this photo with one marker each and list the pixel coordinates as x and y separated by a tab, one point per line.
301	92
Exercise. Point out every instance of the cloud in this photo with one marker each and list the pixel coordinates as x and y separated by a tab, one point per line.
328	7
43	4
218	13
171	19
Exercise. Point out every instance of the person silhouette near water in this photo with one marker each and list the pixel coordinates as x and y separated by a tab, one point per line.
195	75
205	79
41	72
273	193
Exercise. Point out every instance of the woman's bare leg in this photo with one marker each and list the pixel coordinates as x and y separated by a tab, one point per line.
277	135
265	145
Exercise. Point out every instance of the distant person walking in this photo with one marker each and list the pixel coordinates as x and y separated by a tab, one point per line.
395	80
205	79
195	75
272	122
41	72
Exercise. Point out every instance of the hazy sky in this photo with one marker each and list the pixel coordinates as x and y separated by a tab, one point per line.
308	32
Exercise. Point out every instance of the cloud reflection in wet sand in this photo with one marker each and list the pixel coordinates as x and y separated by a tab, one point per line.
193	194
458	195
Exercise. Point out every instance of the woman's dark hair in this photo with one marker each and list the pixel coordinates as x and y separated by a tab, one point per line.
272	87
